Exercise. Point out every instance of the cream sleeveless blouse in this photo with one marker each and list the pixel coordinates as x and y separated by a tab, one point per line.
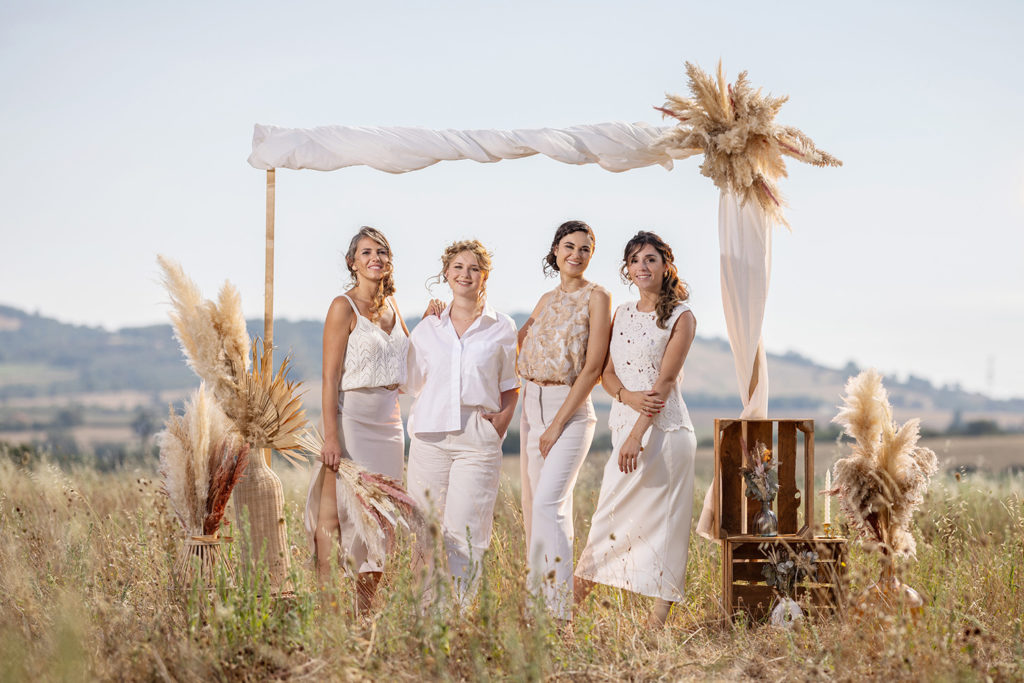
374	358
555	348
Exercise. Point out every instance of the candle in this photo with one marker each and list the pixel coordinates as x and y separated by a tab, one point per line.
828	497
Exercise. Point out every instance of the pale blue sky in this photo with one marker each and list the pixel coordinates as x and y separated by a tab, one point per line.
126	127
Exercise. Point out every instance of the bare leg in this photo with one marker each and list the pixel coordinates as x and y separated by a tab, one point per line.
659	612
327	528
581	589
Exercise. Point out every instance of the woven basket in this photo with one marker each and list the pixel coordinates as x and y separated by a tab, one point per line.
259	498
198	556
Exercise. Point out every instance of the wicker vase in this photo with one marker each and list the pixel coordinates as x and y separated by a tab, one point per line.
259	498
198	557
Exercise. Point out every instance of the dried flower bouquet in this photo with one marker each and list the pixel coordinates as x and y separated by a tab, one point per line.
761	472
733	126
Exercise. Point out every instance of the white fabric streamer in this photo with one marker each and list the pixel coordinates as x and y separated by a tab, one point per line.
614	146
745	245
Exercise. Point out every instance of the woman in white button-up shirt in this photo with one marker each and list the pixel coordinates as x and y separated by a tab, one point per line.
462	371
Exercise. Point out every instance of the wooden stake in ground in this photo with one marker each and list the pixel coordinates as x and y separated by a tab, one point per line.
268	286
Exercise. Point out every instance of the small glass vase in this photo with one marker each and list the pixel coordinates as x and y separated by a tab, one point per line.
786	615
765	521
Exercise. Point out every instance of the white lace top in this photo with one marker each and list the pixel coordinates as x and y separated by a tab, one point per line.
374	358
637	347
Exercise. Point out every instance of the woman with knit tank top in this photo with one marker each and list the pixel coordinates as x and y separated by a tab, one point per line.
640	531
563	350
364	361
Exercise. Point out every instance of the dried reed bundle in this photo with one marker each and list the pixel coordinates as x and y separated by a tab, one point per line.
733	125
200	461
265	407
374	502
884	480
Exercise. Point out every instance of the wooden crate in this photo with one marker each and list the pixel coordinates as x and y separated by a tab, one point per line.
743	555
744	586
734	513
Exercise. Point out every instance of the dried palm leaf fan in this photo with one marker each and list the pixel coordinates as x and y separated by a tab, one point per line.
733	126
201	461
881	483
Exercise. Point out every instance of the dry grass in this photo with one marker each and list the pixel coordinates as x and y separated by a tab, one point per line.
86	559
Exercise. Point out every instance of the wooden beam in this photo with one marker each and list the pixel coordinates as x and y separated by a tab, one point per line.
268	285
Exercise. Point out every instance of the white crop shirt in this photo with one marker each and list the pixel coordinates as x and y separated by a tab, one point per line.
446	373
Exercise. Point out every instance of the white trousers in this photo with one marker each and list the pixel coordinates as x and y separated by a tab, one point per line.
547	490
453	477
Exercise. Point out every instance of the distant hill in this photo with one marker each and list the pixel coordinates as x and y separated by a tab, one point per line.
41	357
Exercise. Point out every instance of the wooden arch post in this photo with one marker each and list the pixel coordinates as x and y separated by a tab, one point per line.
268	286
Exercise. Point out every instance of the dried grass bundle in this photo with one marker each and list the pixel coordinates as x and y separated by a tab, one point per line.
374	502
201	459
266	408
733	125
884	480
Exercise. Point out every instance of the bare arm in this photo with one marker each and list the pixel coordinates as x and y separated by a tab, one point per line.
337	327
671	364
597	349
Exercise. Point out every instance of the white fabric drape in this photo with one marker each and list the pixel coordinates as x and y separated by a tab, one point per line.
745	246
615	146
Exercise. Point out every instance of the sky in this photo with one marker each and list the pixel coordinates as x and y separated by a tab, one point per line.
126	128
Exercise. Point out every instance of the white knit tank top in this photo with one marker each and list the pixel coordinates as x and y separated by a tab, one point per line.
374	358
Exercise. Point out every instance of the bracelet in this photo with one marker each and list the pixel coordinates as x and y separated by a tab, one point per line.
618	394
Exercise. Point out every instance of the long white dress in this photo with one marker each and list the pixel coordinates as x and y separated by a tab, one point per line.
640	531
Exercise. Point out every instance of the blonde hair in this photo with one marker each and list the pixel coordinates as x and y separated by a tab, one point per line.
386	285
477	249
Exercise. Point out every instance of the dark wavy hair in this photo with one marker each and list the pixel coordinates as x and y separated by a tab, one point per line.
386	286
673	289
566	228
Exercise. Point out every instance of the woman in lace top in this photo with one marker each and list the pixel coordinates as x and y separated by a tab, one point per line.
639	535
365	348
564	343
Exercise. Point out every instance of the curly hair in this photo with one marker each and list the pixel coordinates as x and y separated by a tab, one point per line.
673	289
483	258
386	285
567	228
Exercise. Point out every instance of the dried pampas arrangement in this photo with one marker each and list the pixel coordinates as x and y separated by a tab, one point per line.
244	403
884	480
264	406
733	126
201	460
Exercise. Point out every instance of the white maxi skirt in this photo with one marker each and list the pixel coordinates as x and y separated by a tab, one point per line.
547	485
370	430
640	533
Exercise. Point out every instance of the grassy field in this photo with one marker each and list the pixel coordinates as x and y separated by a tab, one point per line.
85	568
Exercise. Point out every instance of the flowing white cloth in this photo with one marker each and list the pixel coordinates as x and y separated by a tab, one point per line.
615	146
745	244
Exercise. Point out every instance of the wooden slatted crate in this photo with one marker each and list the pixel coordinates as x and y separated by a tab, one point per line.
744	585
743	555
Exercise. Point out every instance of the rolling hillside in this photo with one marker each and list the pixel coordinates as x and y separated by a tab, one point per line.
46	365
